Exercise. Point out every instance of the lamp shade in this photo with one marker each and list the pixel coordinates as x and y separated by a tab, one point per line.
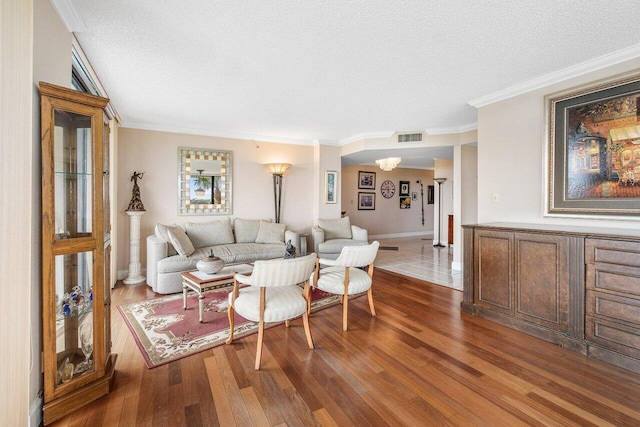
389	163
277	168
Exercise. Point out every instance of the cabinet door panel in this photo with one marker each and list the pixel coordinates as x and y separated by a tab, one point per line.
542	280
493	267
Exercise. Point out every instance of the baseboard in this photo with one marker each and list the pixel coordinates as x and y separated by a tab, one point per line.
394	235
35	413
456	265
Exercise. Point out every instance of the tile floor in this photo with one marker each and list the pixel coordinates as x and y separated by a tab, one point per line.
418	258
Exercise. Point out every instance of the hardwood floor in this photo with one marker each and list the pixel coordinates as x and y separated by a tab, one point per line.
419	362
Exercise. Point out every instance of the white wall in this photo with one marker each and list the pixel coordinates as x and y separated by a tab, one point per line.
19	234
511	156
326	158
465	196
156	154
388	220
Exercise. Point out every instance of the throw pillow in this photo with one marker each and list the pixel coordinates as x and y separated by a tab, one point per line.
161	233
181	241
270	232
336	228
210	233
246	230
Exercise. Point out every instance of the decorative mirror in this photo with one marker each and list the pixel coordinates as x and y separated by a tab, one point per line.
204	182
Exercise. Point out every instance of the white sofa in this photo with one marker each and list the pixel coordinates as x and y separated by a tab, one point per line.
173	250
331	235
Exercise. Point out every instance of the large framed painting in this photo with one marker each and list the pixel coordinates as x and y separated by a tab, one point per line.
594	149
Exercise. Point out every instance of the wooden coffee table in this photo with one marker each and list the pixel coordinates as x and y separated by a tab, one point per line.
200	282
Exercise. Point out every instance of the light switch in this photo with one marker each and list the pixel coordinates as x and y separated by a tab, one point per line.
495	198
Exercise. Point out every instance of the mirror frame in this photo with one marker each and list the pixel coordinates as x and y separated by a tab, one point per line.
185	157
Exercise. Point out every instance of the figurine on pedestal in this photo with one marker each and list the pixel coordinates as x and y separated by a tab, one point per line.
135	212
136	202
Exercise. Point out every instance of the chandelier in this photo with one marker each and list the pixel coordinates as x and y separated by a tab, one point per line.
388	163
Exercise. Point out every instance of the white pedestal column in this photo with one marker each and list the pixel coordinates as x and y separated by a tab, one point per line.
135	272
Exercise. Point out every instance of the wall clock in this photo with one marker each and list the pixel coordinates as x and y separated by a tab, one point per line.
388	189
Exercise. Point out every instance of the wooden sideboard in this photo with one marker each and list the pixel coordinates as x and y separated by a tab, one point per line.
573	286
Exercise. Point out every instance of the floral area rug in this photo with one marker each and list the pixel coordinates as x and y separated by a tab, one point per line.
164	331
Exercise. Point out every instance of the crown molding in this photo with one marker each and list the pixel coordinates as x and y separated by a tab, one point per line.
69	16
613	58
450	130
215	133
370	135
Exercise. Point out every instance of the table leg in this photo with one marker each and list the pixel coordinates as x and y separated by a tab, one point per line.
201	304
184	295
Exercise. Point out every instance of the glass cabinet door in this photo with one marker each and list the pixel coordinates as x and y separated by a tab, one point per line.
74	315
73	167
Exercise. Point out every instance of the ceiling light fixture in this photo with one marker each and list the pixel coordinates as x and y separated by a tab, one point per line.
389	163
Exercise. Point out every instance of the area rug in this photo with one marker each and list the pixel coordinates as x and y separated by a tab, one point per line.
165	332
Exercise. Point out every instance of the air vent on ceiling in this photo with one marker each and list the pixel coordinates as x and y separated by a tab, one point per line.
410	137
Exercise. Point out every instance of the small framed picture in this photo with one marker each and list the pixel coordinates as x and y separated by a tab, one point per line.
414	196
405	202
366	201
330	186
404	188
366	180
430	194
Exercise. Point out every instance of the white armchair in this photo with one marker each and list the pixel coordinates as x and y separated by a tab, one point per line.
331	235
345	276
283	301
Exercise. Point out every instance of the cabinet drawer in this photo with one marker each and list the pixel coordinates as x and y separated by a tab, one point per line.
614	336
614	278
612	252
614	307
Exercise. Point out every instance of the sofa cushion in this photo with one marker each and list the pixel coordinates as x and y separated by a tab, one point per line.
270	232
335	246
248	252
161	233
246	230
336	228
210	233
180	241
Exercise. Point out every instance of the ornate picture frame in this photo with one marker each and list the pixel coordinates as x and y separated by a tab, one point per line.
204	181
366	180
594	148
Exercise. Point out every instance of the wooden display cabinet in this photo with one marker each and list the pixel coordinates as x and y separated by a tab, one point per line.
78	364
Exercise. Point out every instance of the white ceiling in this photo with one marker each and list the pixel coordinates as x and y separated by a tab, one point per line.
328	70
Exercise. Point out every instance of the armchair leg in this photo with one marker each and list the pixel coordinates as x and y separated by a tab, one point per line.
371	307
307	330
230	312
259	344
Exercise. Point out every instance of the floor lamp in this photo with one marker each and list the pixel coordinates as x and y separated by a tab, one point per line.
439	181
277	170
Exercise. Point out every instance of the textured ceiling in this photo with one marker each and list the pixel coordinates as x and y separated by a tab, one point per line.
300	71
